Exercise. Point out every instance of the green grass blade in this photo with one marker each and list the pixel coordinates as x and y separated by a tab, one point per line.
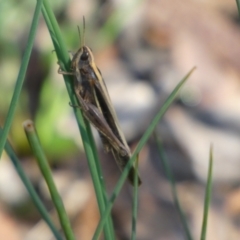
97	176
85	130
208	193
135	204
238	6
171	179
103	187
60	47
140	145
21	75
47	174
27	183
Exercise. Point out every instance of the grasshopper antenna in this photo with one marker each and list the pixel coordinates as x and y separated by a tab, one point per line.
84	31
82	40
79	34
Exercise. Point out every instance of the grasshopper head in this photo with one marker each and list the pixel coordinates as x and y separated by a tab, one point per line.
85	57
82	58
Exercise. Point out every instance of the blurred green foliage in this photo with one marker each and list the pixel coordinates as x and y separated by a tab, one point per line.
54	117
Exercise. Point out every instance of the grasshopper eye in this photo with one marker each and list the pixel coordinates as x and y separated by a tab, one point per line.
84	56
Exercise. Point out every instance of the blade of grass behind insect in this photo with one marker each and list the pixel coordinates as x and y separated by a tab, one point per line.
85	130
140	145
27	183
47	174
171	179
21	75
208	193
238	6
135	203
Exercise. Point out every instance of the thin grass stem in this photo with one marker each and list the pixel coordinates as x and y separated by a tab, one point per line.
208	194
47	174
135	203
171	179
84	127
21	76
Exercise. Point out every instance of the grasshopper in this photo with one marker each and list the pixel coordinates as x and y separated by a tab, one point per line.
96	105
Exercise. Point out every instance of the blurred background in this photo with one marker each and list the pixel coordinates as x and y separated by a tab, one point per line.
143	49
